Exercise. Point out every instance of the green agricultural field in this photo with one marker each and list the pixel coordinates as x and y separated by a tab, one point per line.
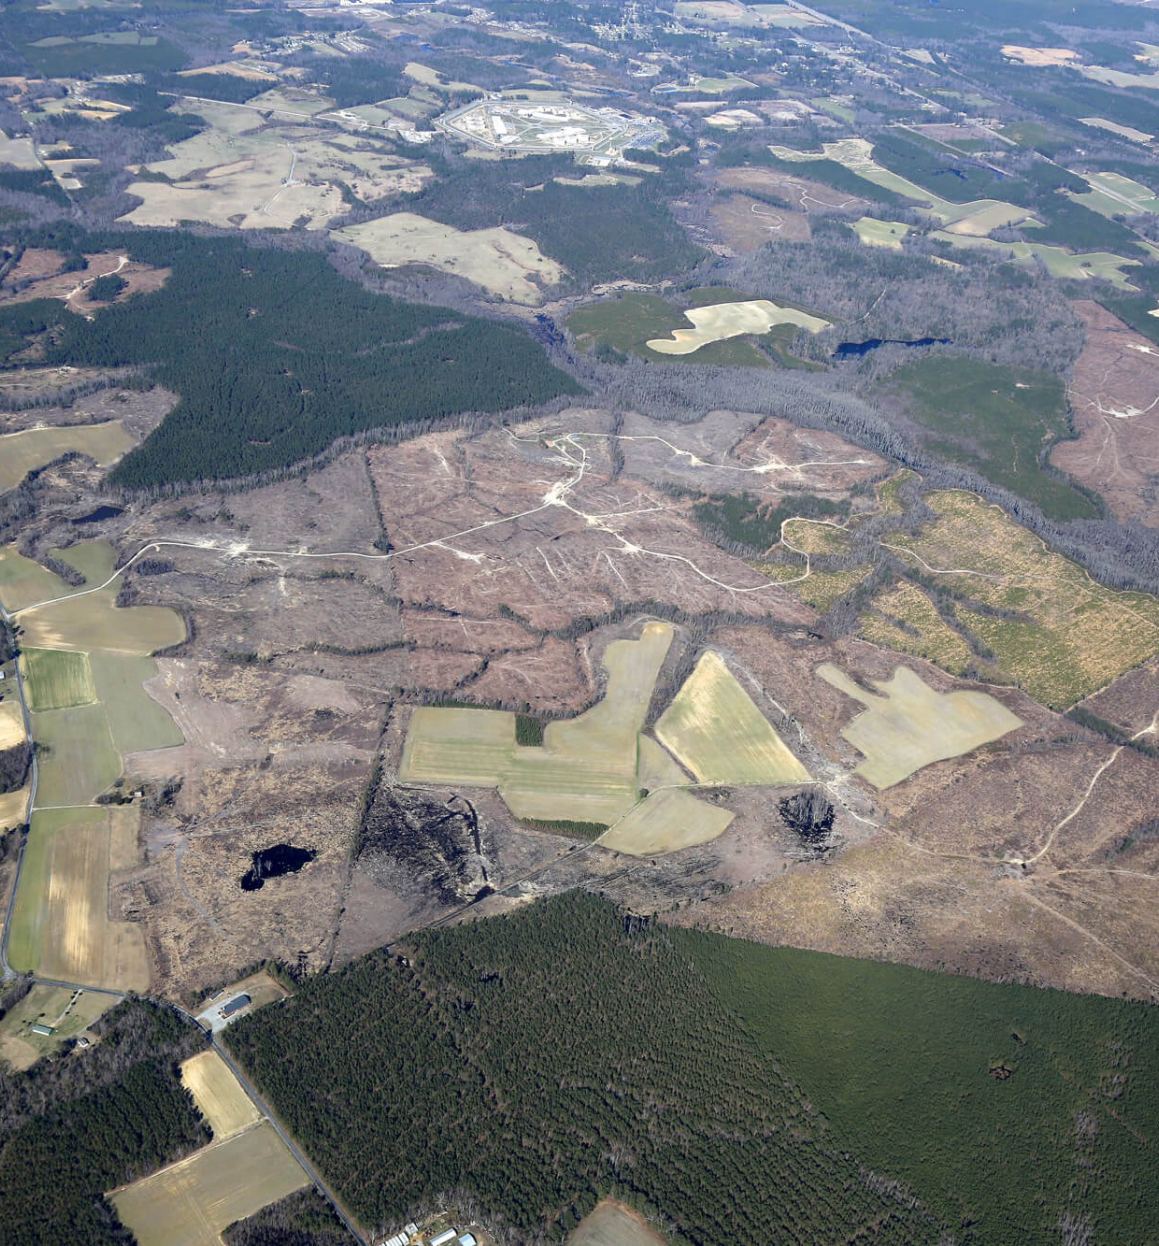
94	621
666	821
714	728
95	560
76	755
625	323
60	924
56	679
1002	1107
876	233
21	453
586	773
24	582
136	721
1058	261
1112	194
999	421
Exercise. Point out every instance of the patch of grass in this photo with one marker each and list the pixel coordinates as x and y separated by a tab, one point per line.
56	679
76	757
999	421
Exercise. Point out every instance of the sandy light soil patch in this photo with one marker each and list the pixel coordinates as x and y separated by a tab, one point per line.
1038	57
11	725
613	1223
907	725
719	321
192	1201
218	1094
503	262
714	728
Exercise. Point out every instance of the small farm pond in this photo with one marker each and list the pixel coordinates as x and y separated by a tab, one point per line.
847	350
273	863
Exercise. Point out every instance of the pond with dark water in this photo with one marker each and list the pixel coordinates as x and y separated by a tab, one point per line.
102	512
848	350
273	863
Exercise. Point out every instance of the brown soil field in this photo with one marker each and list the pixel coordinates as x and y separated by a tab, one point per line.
744	224
1115	399
802	193
38	276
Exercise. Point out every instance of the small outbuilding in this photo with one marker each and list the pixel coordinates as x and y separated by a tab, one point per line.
467	1239
441	1239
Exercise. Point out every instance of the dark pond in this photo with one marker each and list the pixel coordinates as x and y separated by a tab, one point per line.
847	350
102	512
273	863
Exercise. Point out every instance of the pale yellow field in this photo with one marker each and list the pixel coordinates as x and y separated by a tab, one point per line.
973	218
720	321
94	621
13	808
667	821
586	768
503	262
21	453
657	767
1113	127
907	724
60	925
23	582
716	731
191	1202
11	724
1039	57
218	1094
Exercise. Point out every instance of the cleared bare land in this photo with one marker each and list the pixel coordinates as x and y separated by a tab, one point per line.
714	728
613	1223
1114	395
1038	57
499	260
218	1094
192	1201
910	725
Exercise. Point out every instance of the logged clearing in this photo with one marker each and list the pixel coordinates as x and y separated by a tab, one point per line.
56	679
666	821
503	262
586	768
60	925
903	618
192	1201
23	452
11	724
714	728
907	724
218	1094
719	321
613	1223
1066	635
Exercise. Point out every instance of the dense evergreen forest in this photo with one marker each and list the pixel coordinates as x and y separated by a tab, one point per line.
539	1060
603	233
274	356
74	1127
1013	1112
741	1093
